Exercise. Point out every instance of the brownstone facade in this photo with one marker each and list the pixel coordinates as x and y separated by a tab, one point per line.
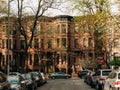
59	44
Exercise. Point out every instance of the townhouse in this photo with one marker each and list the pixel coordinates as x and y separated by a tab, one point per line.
59	44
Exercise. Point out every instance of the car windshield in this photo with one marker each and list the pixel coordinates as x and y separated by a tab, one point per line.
13	79
105	73
26	76
60	73
35	74
84	71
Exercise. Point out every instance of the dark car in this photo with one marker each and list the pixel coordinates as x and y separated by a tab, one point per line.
38	78
4	84
88	78
57	75
30	81
83	73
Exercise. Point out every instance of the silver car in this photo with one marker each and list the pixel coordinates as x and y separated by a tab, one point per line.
16	82
44	78
112	82
99	77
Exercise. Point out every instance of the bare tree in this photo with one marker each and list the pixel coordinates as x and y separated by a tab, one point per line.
27	21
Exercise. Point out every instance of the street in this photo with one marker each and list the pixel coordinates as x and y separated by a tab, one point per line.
65	84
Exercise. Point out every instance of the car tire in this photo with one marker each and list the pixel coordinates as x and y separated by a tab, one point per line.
33	88
98	86
53	77
66	77
111	88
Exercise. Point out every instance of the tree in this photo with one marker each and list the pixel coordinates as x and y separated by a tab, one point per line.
95	14
27	21
3	9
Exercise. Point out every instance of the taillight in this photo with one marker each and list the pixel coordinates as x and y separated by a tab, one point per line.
117	83
102	79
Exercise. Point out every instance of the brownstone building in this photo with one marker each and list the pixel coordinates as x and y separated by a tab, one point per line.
59	44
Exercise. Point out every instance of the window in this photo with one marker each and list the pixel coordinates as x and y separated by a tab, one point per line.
38	28
3	60
84	42
36	62
9	44
42	43
57	58
63	42
85	28
14	44
76	43
116	43
63	58
76	29
63	28
90	29
30	59
90	56
49	43
58	29
58	42
41	29
3	43
9	59
105	73
4	28
22	44
36	43
49	30
90	42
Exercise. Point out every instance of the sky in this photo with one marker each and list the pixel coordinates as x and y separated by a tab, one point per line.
65	9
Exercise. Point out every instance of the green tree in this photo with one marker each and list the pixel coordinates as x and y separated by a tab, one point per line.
95	14
3	9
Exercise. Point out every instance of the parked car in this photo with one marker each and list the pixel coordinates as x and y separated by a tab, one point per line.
44	78
88	78
99	77
56	75
16	82
30	81
4	84
112	82
14	73
83	73
38	78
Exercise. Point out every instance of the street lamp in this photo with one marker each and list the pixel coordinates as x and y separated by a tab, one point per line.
8	61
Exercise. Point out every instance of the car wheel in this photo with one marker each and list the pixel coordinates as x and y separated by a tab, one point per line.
35	85
53	77
98	87
33	88
111	88
66	77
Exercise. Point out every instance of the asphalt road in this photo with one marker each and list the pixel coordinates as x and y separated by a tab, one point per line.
65	84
